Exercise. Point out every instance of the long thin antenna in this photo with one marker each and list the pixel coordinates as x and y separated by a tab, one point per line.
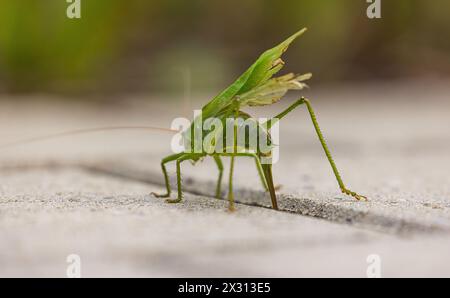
84	131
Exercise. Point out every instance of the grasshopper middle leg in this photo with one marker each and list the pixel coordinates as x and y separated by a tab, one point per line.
264	171
219	180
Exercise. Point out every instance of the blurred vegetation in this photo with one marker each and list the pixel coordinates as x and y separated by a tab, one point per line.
151	46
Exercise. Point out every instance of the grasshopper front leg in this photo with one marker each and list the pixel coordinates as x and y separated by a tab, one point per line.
179	186
166	160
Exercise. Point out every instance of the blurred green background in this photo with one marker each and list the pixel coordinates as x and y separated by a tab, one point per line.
149	45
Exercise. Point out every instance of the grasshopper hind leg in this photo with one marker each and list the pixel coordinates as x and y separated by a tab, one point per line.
322	142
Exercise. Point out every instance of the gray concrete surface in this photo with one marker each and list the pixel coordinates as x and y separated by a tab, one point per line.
89	195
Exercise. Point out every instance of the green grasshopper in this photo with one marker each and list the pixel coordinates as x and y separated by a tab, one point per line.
255	87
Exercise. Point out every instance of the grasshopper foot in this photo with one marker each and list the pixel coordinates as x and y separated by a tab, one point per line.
160	195
173	201
354	194
231	209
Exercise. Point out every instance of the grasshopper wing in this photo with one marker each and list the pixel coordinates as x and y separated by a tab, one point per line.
268	64
273	90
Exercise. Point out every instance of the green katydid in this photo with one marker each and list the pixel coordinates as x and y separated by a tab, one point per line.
255	87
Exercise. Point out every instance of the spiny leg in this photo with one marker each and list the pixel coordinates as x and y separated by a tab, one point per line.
166	176
322	141
219	181
328	154
179	161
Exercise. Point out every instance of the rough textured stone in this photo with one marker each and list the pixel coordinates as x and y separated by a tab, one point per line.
89	195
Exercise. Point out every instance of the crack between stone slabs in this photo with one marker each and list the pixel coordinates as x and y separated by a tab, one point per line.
287	203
